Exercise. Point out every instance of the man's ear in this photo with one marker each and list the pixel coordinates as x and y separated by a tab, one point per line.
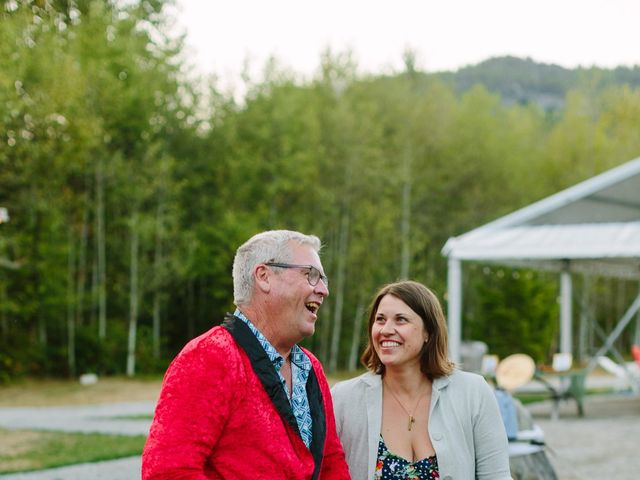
262	277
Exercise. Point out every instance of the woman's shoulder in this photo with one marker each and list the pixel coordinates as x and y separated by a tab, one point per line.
351	385
466	376
461	379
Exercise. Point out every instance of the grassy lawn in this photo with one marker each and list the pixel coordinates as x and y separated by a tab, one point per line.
22	450
49	392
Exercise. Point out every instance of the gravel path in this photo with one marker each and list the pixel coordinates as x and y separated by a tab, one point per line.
603	444
121	469
103	418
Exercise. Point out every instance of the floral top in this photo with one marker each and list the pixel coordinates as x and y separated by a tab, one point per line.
392	467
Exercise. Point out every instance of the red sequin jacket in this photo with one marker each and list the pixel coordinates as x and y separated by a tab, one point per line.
223	414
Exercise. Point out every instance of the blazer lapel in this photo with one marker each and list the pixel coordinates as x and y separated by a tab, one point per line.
270	380
438	384
263	368
374	419
318	424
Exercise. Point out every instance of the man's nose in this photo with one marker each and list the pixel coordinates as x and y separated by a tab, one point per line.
321	288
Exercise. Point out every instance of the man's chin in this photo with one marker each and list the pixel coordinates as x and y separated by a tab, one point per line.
309	329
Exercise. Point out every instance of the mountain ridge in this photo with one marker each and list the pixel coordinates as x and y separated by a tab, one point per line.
523	80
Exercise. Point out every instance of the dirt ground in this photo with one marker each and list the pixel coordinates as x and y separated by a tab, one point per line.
37	393
605	443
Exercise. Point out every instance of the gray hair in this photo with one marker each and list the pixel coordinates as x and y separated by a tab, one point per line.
269	246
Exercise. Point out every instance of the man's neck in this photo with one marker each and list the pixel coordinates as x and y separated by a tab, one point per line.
259	320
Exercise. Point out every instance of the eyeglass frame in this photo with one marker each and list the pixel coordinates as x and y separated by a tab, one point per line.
311	268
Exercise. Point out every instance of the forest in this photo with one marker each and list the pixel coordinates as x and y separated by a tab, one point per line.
129	182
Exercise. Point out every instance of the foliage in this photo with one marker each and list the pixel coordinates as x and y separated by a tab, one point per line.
129	188
516	311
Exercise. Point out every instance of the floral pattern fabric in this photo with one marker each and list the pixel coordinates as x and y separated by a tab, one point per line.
392	467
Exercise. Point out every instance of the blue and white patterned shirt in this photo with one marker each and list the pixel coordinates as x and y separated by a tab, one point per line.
300	368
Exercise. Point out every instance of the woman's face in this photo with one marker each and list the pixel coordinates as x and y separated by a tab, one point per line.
397	333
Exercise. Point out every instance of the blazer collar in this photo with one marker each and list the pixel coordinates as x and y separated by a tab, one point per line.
374	406
270	380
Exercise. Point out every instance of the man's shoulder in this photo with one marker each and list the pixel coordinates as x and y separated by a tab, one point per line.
216	340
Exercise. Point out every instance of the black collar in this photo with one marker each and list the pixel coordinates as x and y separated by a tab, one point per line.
270	380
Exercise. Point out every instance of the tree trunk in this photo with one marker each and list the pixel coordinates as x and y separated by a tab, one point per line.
35	255
405	228
190	309
93	312
71	306
100	250
82	266
355	336
133	299
321	344
339	295
4	324
157	267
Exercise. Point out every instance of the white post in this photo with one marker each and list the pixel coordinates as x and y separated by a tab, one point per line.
454	302
565	310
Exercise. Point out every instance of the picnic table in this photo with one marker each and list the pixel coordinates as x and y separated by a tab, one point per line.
564	385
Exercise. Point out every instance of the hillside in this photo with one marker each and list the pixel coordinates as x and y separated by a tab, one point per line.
522	80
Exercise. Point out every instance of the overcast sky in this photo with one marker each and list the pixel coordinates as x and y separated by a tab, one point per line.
446	34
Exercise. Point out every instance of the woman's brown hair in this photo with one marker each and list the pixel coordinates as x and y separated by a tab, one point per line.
434	358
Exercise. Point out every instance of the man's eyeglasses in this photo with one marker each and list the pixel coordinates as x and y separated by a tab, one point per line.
313	274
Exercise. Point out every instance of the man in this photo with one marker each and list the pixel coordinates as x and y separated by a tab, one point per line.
243	400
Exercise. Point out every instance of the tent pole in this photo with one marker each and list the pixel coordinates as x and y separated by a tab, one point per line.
613	336
636	337
565	309
585	324
454	303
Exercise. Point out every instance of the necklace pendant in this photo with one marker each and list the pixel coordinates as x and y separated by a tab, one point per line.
411	422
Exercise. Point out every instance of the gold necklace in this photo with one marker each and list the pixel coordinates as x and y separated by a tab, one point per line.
412	419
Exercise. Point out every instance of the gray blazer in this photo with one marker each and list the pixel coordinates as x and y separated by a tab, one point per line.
465	426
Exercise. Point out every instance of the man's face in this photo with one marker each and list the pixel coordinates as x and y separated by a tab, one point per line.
298	301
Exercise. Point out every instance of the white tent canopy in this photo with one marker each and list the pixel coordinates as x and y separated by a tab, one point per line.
593	226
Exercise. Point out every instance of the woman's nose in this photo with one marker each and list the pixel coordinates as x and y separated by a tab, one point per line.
387	328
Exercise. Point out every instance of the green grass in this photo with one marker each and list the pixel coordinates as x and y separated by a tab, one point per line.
533	397
526	398
34	450
142	416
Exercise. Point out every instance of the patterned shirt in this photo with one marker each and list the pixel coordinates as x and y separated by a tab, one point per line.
300	368
390	466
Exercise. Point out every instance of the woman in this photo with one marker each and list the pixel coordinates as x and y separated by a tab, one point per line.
413	415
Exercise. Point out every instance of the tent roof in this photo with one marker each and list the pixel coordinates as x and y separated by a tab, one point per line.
594	225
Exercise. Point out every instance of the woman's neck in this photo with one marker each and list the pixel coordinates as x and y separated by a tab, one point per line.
407	381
